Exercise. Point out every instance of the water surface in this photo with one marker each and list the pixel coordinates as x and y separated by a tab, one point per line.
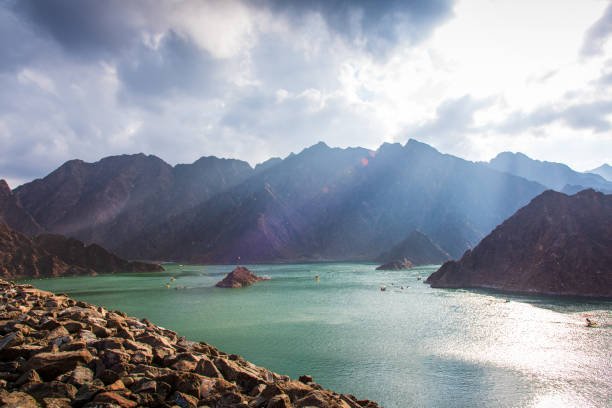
410	346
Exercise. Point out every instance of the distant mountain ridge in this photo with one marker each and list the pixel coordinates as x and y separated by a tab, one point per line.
418	249
556	245
605	171
556	176
320	204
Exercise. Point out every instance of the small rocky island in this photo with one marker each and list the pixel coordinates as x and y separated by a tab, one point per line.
555	245
416	249
59	352
396	265
238	278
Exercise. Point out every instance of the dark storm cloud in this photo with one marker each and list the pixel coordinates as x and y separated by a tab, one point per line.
177	65
580	116
598	34
381	24
86	27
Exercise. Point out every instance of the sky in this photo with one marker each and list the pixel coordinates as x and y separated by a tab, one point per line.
262	78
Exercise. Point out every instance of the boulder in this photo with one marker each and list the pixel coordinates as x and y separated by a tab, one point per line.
50	365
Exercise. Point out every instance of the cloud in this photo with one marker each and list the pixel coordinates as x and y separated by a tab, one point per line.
579	116
598	34
454	120
377	26
253	79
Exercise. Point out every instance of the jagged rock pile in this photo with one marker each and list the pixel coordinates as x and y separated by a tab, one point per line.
59	352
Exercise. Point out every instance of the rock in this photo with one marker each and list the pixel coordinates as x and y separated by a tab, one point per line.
207	368
17	399
279	401
50	365
396	265
184	400
556	245
79	376
56	403
306	379
11	340
238	278
30	376
52	389
114	398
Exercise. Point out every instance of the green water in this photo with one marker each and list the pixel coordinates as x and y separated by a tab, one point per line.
415	346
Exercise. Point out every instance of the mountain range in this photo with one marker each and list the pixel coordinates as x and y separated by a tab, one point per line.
605	171
320	204
555	176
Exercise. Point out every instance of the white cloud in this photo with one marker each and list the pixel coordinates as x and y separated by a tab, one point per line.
256	79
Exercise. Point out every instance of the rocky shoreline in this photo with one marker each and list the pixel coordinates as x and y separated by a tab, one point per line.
59	352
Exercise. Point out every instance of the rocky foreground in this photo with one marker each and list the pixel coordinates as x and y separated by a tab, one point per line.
59	352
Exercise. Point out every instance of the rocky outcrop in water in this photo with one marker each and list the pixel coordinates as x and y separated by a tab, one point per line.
557	245
59	352
54	255
416	248
239	278
396	265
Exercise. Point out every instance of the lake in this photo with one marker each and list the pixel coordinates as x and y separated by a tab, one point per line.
409	345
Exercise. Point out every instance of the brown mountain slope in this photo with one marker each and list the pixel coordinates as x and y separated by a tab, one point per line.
55	255
93	256
557	244
14	215
20	257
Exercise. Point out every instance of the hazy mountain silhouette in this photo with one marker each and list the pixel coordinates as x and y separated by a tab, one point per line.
556	176
605	171
418	249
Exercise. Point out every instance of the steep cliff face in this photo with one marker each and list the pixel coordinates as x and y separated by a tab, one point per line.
14	215
557	244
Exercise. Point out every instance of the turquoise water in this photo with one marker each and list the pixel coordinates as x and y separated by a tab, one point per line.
415	346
